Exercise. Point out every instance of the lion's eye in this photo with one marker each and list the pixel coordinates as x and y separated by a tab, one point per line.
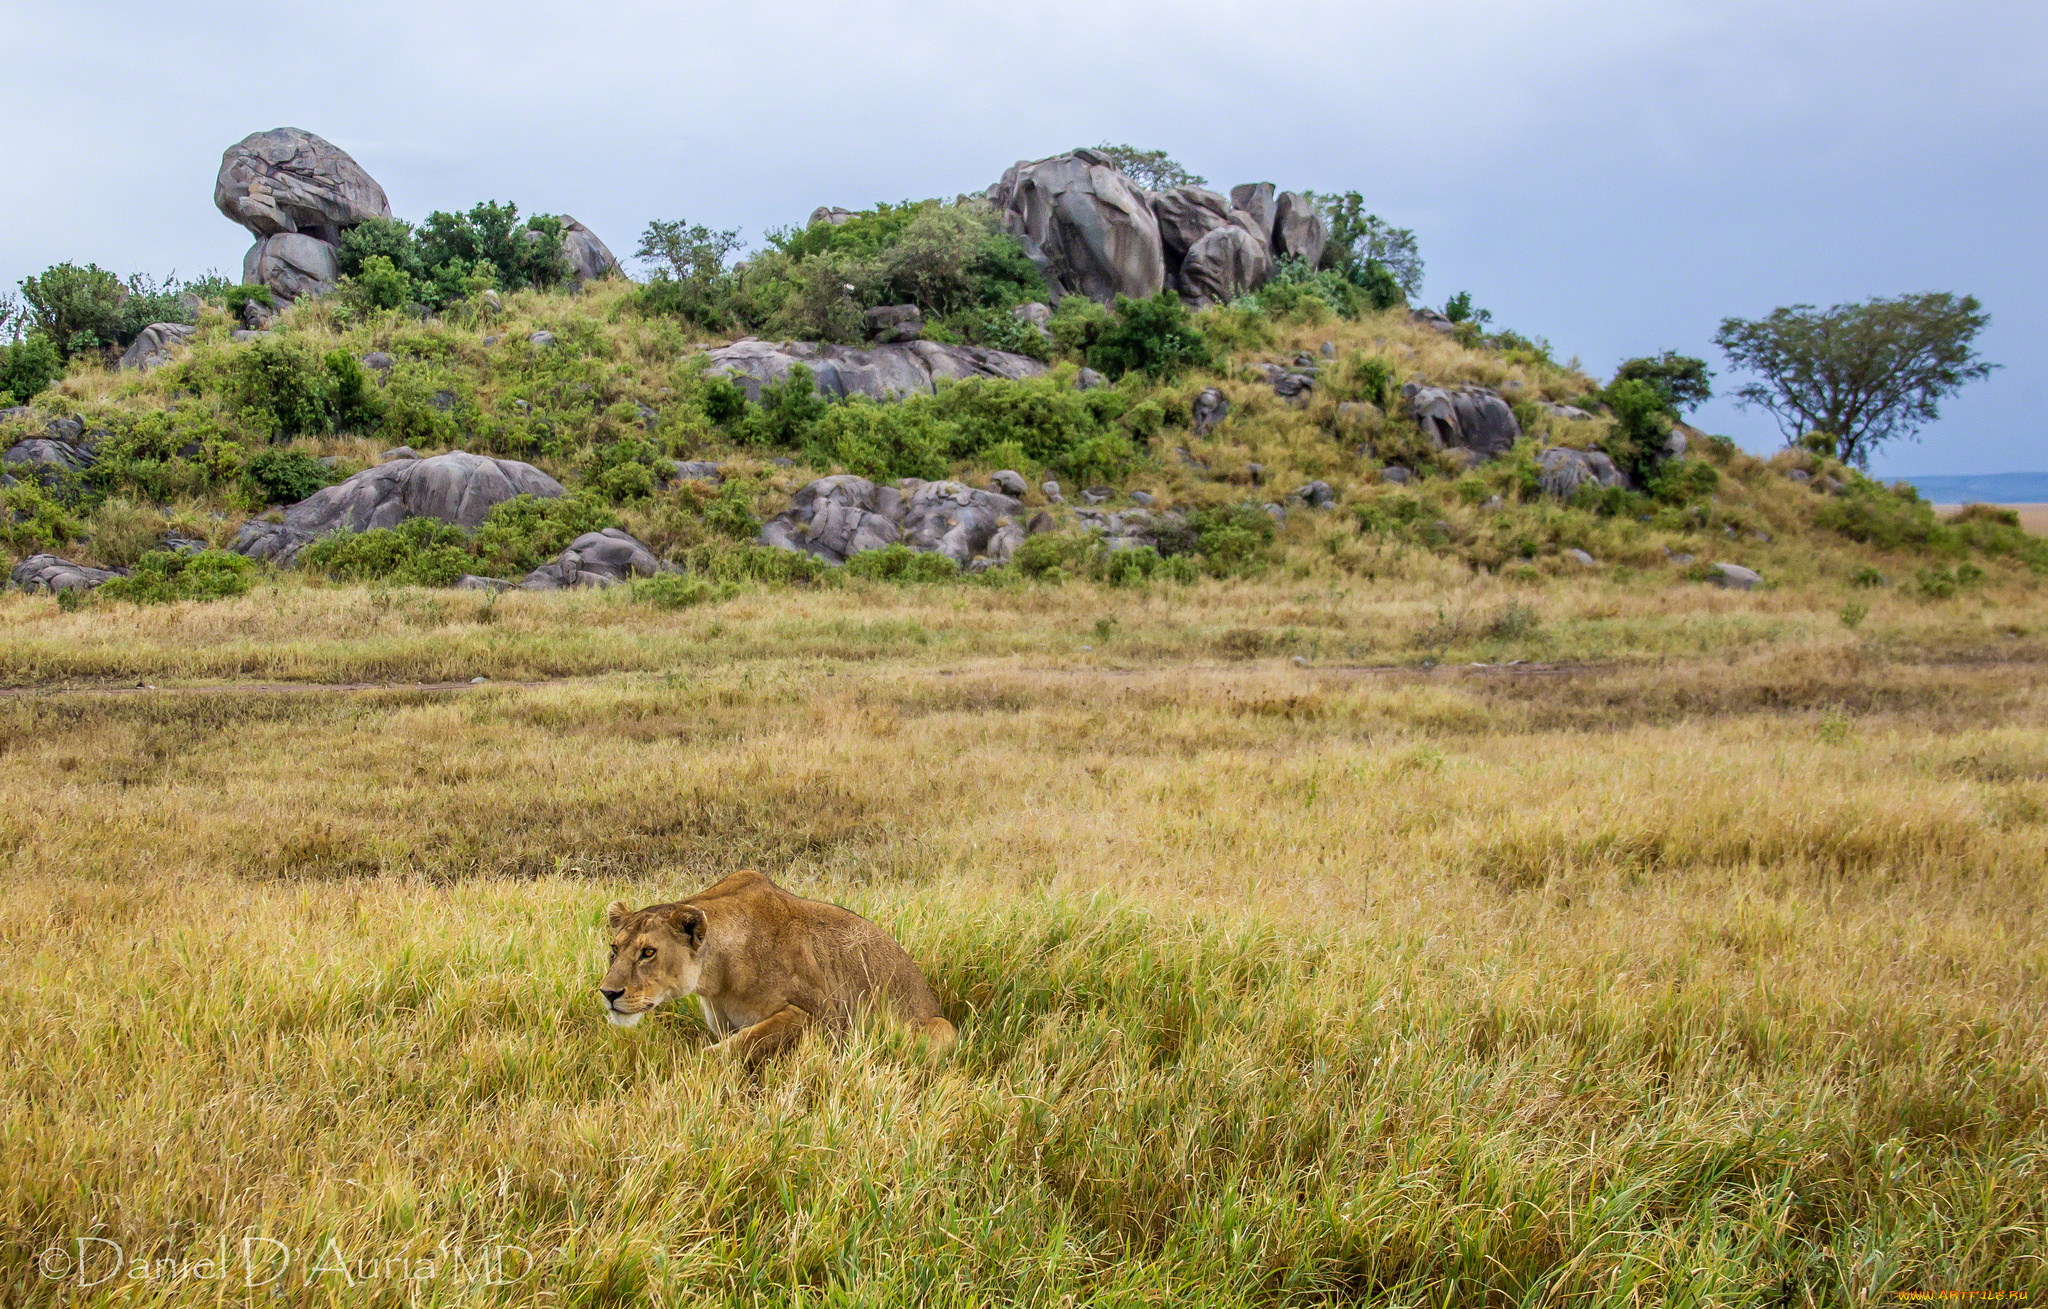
647	952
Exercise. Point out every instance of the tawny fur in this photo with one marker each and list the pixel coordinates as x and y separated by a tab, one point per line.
765	965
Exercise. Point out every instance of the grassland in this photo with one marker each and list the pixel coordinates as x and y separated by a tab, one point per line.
1699	958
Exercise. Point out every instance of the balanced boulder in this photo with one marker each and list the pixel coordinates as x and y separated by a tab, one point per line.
1257	200
289	180
1089	228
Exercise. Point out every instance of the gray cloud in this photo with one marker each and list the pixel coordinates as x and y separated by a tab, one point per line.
1613	176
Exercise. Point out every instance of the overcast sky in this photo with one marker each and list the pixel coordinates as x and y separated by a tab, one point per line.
1614	175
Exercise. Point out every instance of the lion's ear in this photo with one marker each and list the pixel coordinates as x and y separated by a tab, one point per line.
688	922
618	913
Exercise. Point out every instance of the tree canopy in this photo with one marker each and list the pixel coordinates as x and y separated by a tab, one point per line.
1862	374
1151	169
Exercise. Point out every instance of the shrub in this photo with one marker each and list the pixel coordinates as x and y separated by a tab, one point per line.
993	328
1683	383
27	367
419	551
89	308
677	591
900	563
522	533
627	469
1077	322
388	239
1056	426
31	521
1144	564
1368	378
237	298
723	562
381	285
731	512
490	241
1154	336
786	413
1233	540
284	476
882	442
280	387
1642	423
722	399
1868	513
1865	575
162	576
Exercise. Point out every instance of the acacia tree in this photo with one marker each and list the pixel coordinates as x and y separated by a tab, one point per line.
1861	375
1368	250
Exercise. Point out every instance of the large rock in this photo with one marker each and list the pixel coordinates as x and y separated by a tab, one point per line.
879	372
1089	228
49	573
595	559
457	487
589	259
47	459
1256	199
1209	409
1224	265
291	264
1561	471
835	518
1298	229
1185	215
153	345
1470	417
288	180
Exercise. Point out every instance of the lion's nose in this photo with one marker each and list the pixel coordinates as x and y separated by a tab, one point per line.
611	997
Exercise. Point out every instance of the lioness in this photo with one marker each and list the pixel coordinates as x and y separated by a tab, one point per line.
764	964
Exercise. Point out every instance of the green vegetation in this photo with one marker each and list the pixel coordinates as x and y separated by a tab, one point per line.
1858	376
162	576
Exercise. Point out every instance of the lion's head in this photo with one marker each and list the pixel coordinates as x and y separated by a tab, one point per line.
654	958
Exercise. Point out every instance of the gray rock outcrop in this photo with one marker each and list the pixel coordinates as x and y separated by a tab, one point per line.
49	573
1209	409
588	257
153	345
1470	417
912	368
457	487
1298	229
289	180
291	264
1257	200
1089	228
1561	471
1223	265
1734	576
893	324
1185	215
835	518
595	559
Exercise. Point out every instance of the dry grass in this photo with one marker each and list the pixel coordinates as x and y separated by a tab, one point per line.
1713	971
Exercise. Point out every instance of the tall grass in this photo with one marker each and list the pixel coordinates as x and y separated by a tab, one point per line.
1683	980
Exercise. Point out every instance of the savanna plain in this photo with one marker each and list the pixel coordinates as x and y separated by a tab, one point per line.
1575	941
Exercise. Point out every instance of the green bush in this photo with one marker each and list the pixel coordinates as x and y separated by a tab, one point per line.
1368	378
883	441
723	400
28	367
31	521
1865	575
278	386
900	563
236	298
284	476
86	309
1144	564
1057	427
1077	323
1154	336
1233	541
1055	556
786	413
992	328
388	239
727	562
523	533
625	470
162	576
1683	383
730	512
419	551
490	242
1642	424
677	591
1869	513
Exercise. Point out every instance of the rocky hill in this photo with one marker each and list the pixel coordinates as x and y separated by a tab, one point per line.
1155	387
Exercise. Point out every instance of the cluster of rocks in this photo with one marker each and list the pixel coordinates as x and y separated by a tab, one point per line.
64	450
1093	231
835	518
880	372
299	195
46	572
